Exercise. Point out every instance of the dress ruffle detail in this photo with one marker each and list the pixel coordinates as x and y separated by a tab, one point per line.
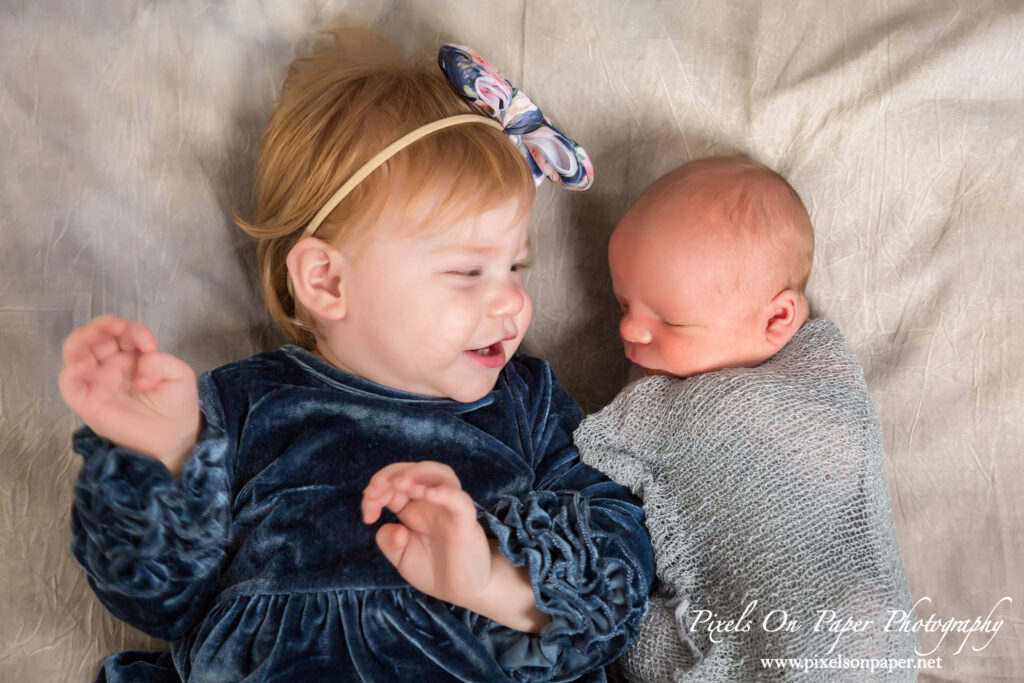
143	534
591	596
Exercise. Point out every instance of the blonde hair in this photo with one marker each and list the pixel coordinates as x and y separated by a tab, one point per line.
758	202
339	107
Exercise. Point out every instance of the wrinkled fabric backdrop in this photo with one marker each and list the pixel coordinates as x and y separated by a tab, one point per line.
128	130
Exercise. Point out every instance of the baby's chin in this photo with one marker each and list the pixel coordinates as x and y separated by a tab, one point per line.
641	371
638	372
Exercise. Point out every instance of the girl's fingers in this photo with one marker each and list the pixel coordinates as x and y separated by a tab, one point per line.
393	486
109	331
130	335
373	503
79	370
383	477
405	475
102	338
87	393
392	540
436	473
105	381
106	348
73	388
425	473
157	367
93	368
456	501
110	324
101	341
79	344
408	484
141	337
398	501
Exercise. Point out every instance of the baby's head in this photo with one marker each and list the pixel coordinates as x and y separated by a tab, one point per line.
709	266
413	280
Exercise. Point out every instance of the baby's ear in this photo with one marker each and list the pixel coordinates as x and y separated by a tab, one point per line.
787	312
315	269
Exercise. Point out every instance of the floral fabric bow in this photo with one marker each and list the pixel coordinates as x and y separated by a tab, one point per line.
546	149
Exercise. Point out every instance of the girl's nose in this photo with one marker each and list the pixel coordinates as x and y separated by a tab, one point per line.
632	331
508	300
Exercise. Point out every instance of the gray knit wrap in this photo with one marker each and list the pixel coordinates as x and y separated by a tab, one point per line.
765	490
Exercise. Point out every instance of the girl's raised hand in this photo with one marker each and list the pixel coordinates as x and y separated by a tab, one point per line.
129	392
440	548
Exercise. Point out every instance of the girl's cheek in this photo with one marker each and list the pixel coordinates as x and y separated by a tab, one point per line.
456	318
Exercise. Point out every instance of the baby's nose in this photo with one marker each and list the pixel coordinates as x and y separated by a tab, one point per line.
632	331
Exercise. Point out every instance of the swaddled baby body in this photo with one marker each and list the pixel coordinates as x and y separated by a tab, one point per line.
756	447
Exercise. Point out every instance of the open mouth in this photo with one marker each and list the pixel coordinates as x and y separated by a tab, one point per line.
491	350
492	356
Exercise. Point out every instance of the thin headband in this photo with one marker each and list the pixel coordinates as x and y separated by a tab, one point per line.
385	154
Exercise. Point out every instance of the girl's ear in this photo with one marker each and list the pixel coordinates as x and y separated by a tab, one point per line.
315	269
786	313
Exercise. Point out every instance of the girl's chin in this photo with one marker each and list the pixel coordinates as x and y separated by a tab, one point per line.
470	396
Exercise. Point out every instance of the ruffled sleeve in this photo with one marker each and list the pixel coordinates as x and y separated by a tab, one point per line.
150	544
583	539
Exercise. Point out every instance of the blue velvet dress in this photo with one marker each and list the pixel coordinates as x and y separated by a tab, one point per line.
256	564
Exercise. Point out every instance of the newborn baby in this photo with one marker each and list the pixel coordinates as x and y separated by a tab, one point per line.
754	442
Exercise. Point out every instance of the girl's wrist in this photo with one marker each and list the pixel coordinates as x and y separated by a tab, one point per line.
175	462
509	598
175	458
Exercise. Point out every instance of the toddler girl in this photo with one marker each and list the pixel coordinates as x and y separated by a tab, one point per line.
239	520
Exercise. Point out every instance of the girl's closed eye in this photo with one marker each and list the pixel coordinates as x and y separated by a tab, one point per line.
467	272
